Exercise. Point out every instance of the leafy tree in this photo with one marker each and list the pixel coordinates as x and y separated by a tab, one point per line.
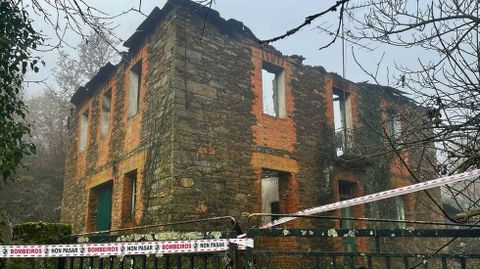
444	80
17	39
43	176
47	119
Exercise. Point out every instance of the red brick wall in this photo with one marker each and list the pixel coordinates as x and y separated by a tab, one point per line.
133	123
95	164
270	131
82	154
104	140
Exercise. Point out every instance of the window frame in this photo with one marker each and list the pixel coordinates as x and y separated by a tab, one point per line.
134	90
344	115
104	131
130	185
272	202
400	209
84	128
394	125
277	90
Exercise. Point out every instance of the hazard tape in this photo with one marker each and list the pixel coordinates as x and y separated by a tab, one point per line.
379	196
122	248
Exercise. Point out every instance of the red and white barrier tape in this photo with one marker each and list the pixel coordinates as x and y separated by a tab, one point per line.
379	196
122	248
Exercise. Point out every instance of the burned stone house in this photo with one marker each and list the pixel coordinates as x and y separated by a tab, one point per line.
199	120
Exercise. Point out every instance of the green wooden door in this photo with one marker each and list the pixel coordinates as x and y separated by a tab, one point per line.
348	242
104	208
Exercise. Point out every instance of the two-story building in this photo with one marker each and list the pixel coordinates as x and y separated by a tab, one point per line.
199	120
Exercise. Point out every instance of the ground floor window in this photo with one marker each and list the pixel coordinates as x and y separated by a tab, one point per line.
129	196
400	211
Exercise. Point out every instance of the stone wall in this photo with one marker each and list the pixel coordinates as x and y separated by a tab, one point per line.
211	155
201	140
131	141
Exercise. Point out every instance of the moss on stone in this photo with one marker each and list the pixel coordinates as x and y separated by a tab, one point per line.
37	233
40	232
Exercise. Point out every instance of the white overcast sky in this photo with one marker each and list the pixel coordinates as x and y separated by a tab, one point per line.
266	18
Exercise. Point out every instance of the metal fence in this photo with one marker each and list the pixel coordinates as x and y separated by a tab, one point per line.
206	261
211	228
382	248
290	248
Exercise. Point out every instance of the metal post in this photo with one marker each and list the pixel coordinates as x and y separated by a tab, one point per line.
61	263
231	256
205	261
405	262
444	262
191	262
166	262
389	264
179	262
110	262
369	262
249	252
334	262
463	263
352	261
72	261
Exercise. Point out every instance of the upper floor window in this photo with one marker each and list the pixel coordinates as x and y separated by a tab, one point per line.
394	127
273	90
106	112
135	82
83	129
342	119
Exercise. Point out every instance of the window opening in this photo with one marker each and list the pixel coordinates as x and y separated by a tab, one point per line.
130	195
270	194
134	89
84	129
341	120
345	190
273	90
400	211
394	127
275	208
106	112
